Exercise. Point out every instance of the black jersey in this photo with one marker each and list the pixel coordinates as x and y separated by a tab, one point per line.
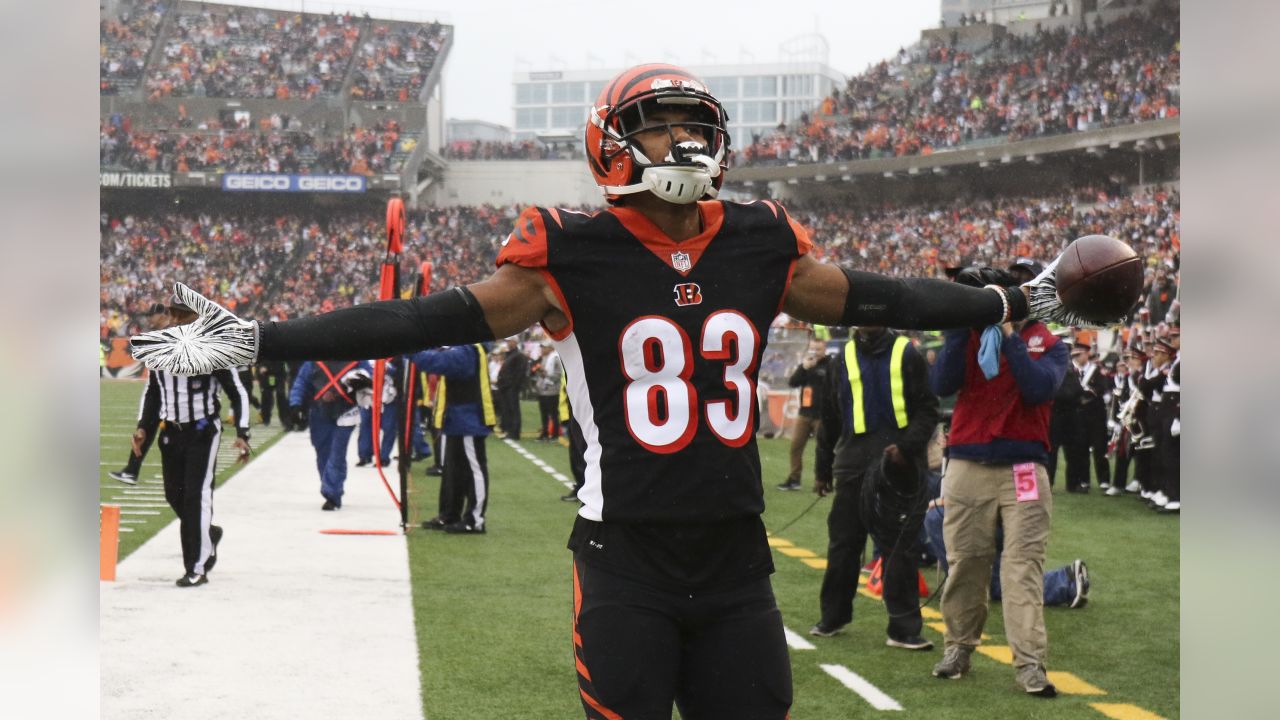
662	350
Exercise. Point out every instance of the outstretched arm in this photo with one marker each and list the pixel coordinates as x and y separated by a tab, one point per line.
833	295
509	301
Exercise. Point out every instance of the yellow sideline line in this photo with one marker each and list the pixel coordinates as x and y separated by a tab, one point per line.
1124	711
1068	683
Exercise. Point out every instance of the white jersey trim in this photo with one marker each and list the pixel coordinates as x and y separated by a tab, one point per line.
592	493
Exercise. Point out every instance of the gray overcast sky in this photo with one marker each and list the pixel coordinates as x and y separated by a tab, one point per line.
495	38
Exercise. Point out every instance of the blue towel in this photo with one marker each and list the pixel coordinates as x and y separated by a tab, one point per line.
989	351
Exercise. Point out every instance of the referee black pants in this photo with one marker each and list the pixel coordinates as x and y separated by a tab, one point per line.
464	484
188	455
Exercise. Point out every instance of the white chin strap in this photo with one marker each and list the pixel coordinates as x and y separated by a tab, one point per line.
678	184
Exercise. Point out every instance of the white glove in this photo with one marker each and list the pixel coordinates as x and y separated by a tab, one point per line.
1176	429
216	339
1044	301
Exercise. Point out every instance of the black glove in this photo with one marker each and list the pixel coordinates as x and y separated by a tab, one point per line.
299	416
981	276
357	380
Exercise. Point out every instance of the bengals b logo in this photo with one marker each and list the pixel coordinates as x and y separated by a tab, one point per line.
688	294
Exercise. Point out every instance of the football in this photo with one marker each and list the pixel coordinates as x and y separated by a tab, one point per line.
1099	278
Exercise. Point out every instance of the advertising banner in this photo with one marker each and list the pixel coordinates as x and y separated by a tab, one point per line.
243	182
134	180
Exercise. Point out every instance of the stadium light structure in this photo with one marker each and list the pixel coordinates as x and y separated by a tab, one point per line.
939	170
913	170
846	177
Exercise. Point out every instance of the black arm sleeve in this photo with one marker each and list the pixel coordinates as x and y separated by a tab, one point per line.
922	303
377	330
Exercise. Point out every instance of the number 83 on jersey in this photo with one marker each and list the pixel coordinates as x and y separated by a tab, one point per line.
661	404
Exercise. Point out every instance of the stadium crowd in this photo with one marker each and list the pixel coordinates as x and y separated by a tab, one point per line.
283	265
278	144
515	150
253	53
393	61
125	41
933	96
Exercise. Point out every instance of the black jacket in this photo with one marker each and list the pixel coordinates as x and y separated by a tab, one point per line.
842	454
813	386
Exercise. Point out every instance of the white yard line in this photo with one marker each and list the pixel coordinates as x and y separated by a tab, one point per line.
293	623
538	462
855	682
795	641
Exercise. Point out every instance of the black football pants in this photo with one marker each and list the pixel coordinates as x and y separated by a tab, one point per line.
717	655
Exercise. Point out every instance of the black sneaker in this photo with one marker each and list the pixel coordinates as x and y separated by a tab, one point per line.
462	528
435	471
1081	575
364	463
915	642
215	534
571	497
824	630
436	523
329	505
192	580
127	478
789	486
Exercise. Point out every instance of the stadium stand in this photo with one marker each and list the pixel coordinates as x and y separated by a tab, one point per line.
272	265
125	42
934	97
277	145
394	60
226	51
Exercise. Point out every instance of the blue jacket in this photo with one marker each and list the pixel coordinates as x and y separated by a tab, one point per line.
302	384
459	364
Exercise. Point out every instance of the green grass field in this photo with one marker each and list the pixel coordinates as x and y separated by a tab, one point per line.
493	611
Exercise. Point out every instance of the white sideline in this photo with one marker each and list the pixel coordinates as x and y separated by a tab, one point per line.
293	623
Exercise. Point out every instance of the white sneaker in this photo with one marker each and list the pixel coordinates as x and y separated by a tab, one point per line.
1114	491
1133	487
1104	486
1145	495
1172	506
1159	499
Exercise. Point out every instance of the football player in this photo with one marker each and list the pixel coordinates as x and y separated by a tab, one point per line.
659	307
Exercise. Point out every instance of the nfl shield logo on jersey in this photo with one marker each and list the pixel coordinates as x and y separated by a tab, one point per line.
680	261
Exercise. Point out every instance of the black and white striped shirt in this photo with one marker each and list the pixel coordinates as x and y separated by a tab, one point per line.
191	398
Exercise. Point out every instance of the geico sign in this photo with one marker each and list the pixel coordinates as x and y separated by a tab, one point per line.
331	184
256	182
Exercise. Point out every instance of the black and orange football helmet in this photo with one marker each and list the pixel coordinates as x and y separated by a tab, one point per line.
691	171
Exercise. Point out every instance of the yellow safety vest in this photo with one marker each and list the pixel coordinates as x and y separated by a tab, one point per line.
486	398
564	397
900	344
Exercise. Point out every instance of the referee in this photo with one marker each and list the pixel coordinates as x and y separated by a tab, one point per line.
189	409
